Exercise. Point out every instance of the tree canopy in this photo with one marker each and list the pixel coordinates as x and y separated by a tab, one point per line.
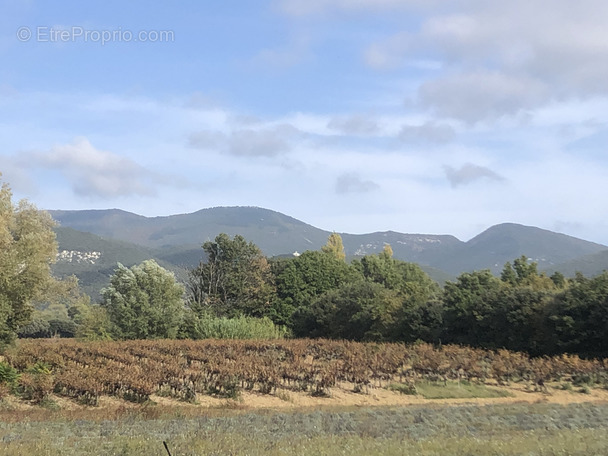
234	280
27	249
144	301
334	246
361	310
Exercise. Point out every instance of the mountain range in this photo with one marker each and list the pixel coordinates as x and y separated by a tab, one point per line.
91	242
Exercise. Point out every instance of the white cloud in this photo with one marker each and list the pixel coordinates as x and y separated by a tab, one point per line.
354	125
247	142
484	95
256	143
207	139
92	172
353	183
430	131
469	173
499	58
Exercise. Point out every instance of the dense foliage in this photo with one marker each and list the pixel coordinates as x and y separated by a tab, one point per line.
27	249
234	280
144	301
377	297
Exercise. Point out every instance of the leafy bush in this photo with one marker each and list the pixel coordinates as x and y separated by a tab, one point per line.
211	327
37	328
8	375
62	328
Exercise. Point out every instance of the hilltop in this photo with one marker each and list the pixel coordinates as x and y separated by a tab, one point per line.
175	241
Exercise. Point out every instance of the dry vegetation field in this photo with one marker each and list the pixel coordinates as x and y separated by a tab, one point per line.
297	397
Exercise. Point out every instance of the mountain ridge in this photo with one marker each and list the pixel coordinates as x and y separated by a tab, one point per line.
176	240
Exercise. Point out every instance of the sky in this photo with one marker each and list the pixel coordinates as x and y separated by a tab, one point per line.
417	116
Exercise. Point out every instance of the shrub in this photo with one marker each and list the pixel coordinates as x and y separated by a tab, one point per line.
36	383
8	374
211	327
37	328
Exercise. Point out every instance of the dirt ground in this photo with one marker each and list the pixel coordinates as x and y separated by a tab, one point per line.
339	396
344	396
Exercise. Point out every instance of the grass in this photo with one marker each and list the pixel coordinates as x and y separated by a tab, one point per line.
455	390
530	429
572	443
212	327
403	388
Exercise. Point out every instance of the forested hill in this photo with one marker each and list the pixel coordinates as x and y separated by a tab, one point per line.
177	239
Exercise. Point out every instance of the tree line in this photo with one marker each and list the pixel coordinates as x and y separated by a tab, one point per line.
238	290
380	298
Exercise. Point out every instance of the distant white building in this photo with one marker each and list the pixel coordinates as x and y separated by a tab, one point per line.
75	256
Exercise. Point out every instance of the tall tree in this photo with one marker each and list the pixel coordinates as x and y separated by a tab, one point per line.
419	316
468	302
577	319
361	310
334	246
525	274
27	249
508	274
516	318
234	280
301	280
144	302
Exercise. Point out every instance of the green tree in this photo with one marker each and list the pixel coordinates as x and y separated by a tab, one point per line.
92	322
516	319
27	249
577	319
387	251
407	279
143	302
525	274
54	307
420	312
508	274
524	269
301	280
559	279
334	246
235	280
483	311
35	329
469	302
356	311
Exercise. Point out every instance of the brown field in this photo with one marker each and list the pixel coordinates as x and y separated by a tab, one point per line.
307	397
198	376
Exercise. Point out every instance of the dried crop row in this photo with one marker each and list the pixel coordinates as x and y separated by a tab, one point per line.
182	368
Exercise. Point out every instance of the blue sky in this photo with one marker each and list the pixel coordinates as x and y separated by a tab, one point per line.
352	115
